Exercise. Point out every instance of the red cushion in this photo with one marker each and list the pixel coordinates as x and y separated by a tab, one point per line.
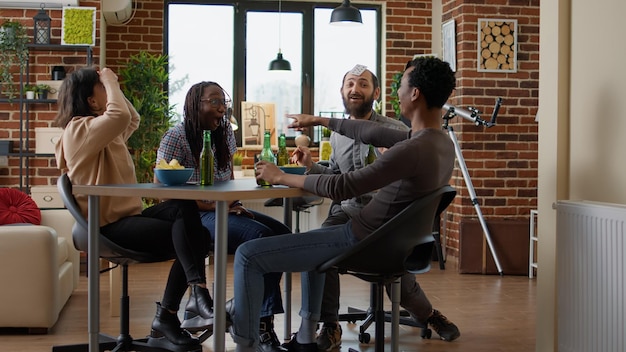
17	207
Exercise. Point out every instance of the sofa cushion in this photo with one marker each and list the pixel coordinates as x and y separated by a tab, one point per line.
17	207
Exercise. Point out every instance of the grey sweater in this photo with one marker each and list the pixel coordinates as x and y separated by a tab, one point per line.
414	165
349	155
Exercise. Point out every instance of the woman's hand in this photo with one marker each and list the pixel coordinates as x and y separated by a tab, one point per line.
239	209
268	172
107	74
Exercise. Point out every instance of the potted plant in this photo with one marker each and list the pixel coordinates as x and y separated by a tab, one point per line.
42	91
13	53
29	90
143	79
237	160
395	101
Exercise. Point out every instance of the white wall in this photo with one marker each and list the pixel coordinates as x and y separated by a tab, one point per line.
581	125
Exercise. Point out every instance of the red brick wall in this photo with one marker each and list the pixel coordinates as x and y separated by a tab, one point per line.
502	160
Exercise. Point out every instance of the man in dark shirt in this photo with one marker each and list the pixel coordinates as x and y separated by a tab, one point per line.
415	164
359	90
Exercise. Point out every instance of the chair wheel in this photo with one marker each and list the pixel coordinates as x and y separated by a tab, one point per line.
364	337
426	333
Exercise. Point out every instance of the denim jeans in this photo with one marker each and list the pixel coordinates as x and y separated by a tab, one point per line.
412	298
302	252
242	229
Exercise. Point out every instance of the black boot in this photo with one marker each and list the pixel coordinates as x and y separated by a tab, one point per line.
166	333
268	341
199	310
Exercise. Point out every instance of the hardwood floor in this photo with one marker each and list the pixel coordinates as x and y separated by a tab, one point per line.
493	313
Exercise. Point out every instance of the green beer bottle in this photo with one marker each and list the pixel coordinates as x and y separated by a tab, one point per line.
371	155
266	155
206	160
283	155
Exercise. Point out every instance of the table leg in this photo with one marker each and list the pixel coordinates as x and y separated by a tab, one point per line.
287	214
220	252
93	268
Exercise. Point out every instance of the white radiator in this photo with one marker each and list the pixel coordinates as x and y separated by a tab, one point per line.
591	276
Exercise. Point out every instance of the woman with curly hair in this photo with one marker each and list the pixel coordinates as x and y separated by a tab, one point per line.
205	108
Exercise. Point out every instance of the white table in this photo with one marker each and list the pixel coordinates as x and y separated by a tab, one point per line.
223	193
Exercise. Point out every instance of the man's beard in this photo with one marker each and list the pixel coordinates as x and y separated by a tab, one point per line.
360	110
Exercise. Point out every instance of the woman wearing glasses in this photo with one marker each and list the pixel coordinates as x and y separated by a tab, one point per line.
205	108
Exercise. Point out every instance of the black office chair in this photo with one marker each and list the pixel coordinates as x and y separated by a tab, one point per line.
404	243
298	205
119	256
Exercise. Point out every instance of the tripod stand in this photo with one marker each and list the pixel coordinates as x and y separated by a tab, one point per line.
474	116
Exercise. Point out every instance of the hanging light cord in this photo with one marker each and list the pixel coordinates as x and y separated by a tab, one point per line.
279	25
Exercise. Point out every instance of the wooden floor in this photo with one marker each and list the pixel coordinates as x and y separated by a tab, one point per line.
494	313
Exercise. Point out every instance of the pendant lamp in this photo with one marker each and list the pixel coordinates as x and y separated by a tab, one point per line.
279	64
346	15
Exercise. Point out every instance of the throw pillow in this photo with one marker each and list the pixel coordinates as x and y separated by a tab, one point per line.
18	207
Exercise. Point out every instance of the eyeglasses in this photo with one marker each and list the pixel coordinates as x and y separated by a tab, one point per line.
217	102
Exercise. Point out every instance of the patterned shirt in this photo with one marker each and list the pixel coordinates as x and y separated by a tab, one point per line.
174	145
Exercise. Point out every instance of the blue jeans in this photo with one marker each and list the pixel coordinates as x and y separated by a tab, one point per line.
242	229
302	252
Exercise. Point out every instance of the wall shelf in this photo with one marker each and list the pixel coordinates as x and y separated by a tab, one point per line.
23	144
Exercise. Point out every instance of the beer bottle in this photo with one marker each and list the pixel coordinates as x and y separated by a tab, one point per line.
371	155
206	160
283	155
266	155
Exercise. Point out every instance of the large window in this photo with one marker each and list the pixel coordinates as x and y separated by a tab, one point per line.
233	44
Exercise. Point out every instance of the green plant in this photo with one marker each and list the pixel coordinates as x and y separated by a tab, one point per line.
40	88
143	80
13	52
30	88
395	101
237	159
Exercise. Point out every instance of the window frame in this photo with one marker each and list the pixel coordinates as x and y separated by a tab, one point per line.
307	9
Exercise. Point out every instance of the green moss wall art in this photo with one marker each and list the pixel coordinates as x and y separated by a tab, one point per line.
79	26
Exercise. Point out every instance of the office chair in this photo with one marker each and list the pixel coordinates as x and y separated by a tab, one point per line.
404	243
117	255
298	205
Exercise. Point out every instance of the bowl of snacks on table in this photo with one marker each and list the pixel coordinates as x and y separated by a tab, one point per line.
294	169
172	173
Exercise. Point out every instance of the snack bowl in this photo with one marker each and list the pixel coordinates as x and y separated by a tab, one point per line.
293	169
173	177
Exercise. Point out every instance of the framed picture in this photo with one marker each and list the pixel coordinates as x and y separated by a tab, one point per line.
448	37
78	26
497	45
256	118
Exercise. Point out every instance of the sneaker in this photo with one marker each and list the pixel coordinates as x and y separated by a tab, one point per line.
329	337
446	329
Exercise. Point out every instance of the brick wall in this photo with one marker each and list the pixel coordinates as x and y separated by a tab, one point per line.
502	160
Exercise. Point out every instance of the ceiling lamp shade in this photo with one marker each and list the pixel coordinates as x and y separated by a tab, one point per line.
346	15
280	64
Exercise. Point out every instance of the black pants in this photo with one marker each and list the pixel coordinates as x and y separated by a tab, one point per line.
169	228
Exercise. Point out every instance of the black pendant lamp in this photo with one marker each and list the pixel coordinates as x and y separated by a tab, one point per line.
346	15
279	64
